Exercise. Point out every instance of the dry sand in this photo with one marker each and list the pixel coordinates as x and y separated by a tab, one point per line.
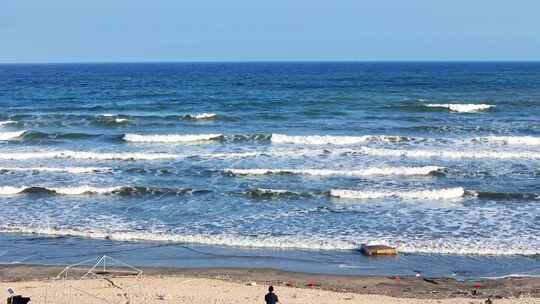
249	286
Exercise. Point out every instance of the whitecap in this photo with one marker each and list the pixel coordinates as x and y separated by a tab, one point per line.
334	140
88	155
426	170
510	140
463	108
205	116
445	153
170	138
74	170
7	122
435	194
11	135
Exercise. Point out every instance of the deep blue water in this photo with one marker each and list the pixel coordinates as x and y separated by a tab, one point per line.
435	158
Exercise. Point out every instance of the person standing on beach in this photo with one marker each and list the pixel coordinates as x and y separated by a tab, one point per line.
271	297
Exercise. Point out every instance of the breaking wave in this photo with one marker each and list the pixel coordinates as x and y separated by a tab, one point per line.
201	116
462	108
12	135
7	122
438	194
74	170
263	193
170	138
220	240
427	170
312	242
111	119
506	195
36	135
510	140
90	190
88	155
445	154
121	156
335	140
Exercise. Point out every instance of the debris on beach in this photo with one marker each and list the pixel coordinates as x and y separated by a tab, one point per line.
376	250
164	297
313	285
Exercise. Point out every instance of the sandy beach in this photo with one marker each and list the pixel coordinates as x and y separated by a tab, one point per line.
162	285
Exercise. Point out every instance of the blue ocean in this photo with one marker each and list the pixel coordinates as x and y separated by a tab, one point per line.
286	165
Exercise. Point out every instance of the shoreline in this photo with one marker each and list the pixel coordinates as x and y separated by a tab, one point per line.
409	287
38	250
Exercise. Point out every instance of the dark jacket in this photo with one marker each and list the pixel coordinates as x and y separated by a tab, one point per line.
271	298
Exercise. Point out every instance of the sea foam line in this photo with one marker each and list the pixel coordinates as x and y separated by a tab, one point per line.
463	108
88	155
443	246
426	170
170	138
510	140
435	194
125	156
75	170
219	240
334	140
443	154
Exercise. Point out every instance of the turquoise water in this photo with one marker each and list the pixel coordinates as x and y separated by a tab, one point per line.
435	158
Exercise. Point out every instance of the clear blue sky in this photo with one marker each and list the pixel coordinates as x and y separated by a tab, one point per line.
246	30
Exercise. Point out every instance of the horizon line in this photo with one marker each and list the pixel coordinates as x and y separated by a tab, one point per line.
267	61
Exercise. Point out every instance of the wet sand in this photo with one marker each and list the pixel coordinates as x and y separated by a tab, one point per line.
222	285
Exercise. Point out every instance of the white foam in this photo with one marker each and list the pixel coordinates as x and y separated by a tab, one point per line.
170	138
463	108
333	140
510	140
232	155
80	190
108	115
124	156
120	120
11	135
7	122
8	190
74	170
270	191
84	190
204	116
219	240
313	242
88	155
437	194
445	153
325	172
